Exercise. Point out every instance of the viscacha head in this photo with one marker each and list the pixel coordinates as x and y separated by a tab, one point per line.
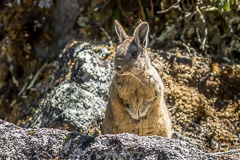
131	53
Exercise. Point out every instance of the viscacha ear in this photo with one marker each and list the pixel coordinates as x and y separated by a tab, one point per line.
140	34
120	31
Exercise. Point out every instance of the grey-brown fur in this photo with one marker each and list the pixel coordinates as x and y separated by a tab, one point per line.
136	103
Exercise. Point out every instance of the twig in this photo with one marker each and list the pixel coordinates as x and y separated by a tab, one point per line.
109	38
183	44
123	13
36	76
198	35
152	8
229	25
11	68
189	49
23	89
187	19
205	28
174	6
183	34
141	10
194	51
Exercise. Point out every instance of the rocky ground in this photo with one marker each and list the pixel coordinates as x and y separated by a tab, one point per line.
202	94
46	143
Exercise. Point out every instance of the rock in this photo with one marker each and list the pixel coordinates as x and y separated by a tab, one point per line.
78	100
130	146
63	18
28	143
46	143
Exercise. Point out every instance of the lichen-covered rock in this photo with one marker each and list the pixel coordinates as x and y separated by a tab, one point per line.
80	87
46	143
19	143
130	146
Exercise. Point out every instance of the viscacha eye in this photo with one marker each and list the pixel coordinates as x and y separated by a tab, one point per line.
134	53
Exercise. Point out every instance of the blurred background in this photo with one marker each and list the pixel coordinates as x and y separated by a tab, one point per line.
33	32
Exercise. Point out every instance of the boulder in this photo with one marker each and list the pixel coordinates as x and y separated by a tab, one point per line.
47	143
79	89
28	143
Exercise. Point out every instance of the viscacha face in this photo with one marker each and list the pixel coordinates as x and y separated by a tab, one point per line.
129	57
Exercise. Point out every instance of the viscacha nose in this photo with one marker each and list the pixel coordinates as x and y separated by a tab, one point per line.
118	68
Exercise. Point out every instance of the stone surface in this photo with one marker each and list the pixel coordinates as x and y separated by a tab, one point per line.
19	143
46	143
77	101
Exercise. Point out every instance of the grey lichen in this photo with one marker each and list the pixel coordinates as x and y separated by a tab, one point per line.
78	101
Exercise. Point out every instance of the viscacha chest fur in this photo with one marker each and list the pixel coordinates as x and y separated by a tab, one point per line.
135	91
